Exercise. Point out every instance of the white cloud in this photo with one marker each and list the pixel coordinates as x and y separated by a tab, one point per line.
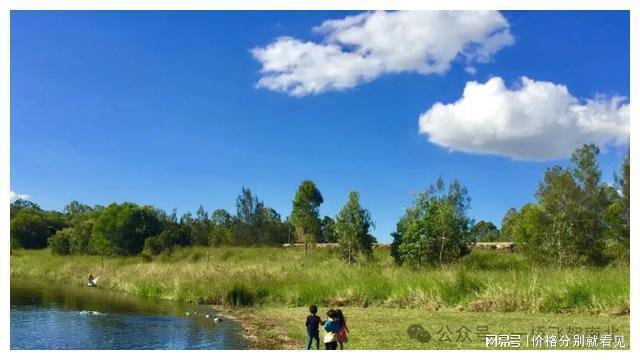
363	47
470	69
13	196
537	120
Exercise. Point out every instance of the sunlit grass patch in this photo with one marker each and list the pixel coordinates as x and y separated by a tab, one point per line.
483	281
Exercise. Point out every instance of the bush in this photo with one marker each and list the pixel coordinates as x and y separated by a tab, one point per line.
156	245
80	240
173	235
30	229
72	240
60	242
122	229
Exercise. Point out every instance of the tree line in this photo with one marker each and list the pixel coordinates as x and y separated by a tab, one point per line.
577	219
130	229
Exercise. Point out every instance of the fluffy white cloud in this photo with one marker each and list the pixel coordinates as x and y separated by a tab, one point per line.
360	48
537	120
13	196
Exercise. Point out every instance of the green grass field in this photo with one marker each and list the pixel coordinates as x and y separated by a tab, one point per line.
380	328
275	285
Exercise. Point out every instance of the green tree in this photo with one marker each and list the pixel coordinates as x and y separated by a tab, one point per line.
173	235
435	229
221	227
484	231
530	228
328	230
73	208
395	248
121	229
559	199
305	213
60	242
248	207
506	229
572	217
30	227
29	231
618	215
573	202
75	239
352	229
200	228
271	228
186	218
22	204
248	219
80	240
594	199
291	234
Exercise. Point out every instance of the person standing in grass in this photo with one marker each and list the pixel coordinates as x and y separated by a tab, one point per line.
331	327
313	323
341	336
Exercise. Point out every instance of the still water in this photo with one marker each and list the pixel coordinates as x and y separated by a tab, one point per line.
54	317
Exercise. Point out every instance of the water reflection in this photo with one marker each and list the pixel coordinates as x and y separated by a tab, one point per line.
46	317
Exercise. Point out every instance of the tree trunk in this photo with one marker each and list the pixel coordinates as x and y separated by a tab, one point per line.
441	248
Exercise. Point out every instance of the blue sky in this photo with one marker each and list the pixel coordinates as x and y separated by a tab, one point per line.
162	108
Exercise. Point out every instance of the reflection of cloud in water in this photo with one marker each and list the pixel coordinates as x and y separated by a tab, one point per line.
87	312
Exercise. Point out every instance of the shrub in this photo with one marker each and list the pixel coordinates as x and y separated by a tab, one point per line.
122	229
173	235
60	241
80	240
30	229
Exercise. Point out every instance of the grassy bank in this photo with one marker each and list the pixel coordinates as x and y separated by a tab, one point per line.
381	328
499	290
483	281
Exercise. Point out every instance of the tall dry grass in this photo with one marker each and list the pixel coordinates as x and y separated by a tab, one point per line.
482	281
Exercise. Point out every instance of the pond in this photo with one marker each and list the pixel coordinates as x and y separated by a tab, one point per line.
46	316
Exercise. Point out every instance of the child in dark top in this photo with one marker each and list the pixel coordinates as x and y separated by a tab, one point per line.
313	322
341	336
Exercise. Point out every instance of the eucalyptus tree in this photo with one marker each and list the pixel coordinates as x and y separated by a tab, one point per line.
352	229
305	213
